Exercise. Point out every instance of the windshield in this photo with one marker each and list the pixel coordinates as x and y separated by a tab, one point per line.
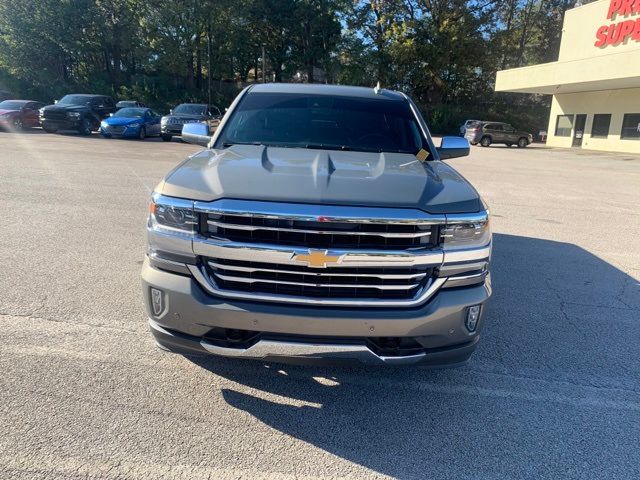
11	105
190	109
324	122
130	113
75	100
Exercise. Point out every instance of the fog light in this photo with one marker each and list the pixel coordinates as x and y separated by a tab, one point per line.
156	301
473	315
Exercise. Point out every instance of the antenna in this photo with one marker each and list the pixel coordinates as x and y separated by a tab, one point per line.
377	88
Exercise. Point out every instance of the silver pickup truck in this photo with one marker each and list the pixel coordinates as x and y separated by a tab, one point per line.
320	224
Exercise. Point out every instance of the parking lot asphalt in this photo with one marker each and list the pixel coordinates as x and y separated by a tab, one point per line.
552	392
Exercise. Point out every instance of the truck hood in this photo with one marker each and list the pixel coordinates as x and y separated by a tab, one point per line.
324	177
65	108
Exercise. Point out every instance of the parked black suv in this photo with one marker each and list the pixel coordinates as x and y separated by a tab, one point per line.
486	133
171	125
81	112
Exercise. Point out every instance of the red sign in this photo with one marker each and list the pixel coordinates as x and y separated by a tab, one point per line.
620	32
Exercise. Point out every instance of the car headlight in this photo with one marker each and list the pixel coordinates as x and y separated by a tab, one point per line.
104	124
73	115
466	231
164	120
41	111
172	214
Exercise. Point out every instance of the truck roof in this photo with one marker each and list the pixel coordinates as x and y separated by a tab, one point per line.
333	90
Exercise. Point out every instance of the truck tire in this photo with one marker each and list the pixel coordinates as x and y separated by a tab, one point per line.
50	129
485	141
165	137
84	128
522	142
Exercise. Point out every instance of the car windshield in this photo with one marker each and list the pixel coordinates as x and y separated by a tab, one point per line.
75	100
190	109
11	105
324	122
130	113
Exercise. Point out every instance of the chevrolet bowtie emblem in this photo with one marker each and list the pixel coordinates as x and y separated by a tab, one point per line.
316	258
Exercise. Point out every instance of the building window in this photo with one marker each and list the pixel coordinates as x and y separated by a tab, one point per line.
630	126
564	125
600	127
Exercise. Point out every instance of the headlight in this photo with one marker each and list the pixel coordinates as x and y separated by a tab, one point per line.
173	214
466	231
41	111
104	124
164	120
73	115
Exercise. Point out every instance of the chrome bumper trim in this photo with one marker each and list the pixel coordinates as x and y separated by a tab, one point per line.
264	253
266	349
467	255
209	285
466	280
272	349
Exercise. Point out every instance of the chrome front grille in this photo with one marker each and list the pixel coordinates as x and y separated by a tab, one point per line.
320	233
302	281
315	254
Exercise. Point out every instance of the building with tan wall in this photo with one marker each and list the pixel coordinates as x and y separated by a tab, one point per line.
596	81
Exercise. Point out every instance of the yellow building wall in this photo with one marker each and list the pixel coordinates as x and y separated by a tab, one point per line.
614	102
579	32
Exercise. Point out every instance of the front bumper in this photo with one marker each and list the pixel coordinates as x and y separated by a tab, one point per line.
128	131
303	333
172	129
60	124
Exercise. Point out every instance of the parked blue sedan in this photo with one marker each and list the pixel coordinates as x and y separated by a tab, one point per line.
131	123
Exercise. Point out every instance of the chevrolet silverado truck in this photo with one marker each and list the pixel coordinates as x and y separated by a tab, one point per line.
320	224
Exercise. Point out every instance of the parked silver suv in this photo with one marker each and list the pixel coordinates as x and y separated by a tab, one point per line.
320	223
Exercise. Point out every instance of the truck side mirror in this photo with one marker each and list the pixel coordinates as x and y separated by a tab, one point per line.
196	133
453	147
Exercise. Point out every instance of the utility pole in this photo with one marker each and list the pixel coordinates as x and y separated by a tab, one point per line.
209	58
264	65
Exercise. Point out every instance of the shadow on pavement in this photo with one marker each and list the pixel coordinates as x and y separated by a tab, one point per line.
552	391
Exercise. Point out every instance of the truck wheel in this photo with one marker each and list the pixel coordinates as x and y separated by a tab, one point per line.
165	137
485	141
523	142
142	134
84	128
50	129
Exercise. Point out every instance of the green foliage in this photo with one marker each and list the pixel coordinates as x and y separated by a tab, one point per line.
442	52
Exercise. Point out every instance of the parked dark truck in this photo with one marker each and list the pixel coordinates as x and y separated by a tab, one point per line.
80	112
320	224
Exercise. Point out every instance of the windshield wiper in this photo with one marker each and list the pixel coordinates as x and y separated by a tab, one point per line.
230	144
322	146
